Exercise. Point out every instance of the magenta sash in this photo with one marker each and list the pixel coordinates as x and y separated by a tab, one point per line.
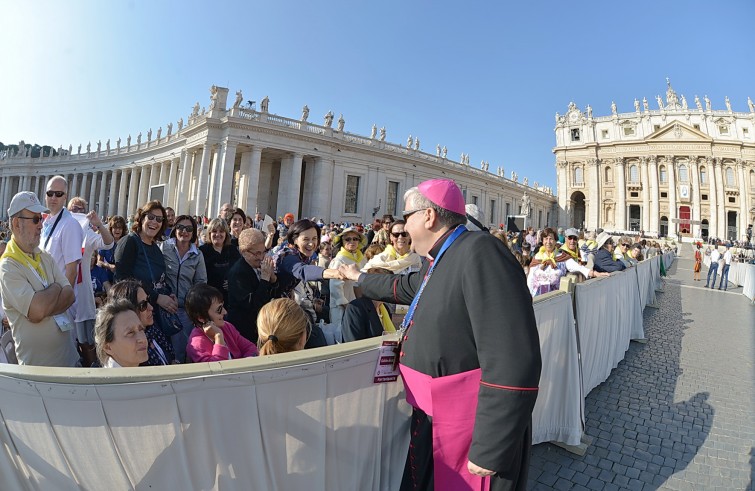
452	403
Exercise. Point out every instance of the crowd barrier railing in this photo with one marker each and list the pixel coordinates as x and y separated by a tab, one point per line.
312	419
740	274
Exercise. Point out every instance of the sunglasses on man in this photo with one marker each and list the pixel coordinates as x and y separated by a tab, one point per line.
57	194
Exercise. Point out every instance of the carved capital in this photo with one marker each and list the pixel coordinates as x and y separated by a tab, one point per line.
739	163
652	159
619	161
593	162
643	160
562	164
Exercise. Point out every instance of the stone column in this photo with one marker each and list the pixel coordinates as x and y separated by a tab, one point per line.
243	184
214	177
323	184
743	195
673	206
621	187
225	174
3	208
720	198
170	187
655	208
101	203
143	190
644	175
695	183
83	188
111	203
133	191
164	169
73	188
712	197
94	202
201	204
253	180
295	188
184	193
593	220
284	186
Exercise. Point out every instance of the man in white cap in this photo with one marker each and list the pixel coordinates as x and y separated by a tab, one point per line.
470	361
35	292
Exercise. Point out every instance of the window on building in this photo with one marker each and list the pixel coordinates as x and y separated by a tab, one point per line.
352	194
662	171
578	179
575	134
540	219
696	126
723	129
745	132
474	199
704	197
628	131
609	174
634	173
656	127
604	134
752	179
683	177
729	176
464	194
508	209
634	194
703	176
664	194
392	201
732	199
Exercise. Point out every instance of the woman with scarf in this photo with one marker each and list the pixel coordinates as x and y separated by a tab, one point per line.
549	264
294	268
349	244
397	256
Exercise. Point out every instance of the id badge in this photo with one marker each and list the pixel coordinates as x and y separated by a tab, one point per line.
64	322
387	364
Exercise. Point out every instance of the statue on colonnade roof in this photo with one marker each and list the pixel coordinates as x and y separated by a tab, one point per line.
264	104
329	119
341	123
239	99
304	113
382	134
213	97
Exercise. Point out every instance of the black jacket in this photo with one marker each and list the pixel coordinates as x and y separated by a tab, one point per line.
246	296
360	320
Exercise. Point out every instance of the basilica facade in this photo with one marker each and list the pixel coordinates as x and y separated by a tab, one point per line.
677	169
259	161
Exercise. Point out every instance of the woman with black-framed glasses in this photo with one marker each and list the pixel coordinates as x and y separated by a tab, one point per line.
185	267
159	347
349	245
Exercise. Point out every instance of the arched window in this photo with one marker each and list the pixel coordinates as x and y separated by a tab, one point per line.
703	176
683	173
752	179
662	171
730	176
634	173
609	174
578	175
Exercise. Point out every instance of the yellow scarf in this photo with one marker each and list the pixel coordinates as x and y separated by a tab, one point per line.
573	254
14	252
393	253
357	258
544	257
385	319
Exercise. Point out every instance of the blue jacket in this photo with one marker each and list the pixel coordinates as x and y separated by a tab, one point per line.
604	263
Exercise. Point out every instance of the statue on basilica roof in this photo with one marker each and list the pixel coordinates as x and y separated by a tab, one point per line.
636	105
589	111
645	104
373	133
304	113
707	103
660	102
213	97
728	103
672	101
444	152
264	104
697	103
751	105
684	102
613	107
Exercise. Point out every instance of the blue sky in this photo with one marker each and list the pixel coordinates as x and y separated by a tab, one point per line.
484	78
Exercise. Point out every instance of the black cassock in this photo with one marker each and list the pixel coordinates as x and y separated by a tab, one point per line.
474	314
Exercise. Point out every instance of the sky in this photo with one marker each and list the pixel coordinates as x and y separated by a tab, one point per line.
482	78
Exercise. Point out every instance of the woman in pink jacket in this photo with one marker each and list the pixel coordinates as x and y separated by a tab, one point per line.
213	339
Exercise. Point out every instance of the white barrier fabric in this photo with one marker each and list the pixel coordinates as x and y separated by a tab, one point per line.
748	285
646	281
559	408
608	316
316	426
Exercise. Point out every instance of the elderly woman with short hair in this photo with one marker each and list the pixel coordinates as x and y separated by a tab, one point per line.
119	336
604	261
219	255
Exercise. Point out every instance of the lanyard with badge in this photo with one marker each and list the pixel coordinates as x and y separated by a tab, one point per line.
62	320
388	354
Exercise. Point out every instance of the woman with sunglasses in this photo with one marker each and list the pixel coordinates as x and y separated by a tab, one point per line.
219	254
138	256
349	245
185	267
159	348
213	339
117	227
397	256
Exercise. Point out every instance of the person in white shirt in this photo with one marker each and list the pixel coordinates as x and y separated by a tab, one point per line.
725	272
713	268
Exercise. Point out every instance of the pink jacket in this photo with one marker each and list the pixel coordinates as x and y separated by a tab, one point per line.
201	348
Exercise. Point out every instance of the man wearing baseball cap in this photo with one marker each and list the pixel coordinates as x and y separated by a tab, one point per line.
35	292
469	353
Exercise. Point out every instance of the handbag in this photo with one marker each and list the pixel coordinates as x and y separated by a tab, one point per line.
168	323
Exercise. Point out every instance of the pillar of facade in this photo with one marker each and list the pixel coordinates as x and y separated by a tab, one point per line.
593	220
155	175
720	198
3	185
112	208
101	203
94	203
242	191
225	174
295	189
712	197
73	187
645	193
253	180
621	186
214	179
655	206
673	206
201	204
284	185
695	182
323	184
133	192
743	194
144	179
171	186
183	193
164	169
83	188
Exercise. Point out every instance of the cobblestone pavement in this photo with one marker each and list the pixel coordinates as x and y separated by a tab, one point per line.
677	413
